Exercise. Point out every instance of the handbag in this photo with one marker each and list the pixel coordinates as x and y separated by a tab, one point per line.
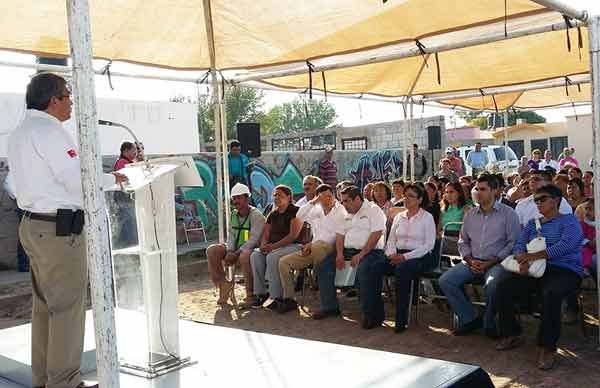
536	267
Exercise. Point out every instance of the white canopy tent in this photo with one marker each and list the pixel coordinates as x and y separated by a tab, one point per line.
366	37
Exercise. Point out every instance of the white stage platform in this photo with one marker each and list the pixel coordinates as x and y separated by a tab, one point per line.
236	358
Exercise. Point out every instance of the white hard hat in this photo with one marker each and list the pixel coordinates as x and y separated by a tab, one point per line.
328	148
449	150
240	189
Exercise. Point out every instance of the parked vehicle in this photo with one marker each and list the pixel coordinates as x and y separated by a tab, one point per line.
496	157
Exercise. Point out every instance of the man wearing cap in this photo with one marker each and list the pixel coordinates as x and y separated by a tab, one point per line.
455	163
245	230
46	169
328	168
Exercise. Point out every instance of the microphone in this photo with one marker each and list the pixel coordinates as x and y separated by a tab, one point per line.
113	124
105	122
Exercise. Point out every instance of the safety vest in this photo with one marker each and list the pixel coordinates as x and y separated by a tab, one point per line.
242	231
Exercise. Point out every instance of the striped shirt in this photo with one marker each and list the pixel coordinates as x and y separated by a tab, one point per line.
328	172
564	238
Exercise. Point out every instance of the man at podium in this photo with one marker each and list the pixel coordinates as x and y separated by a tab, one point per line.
45	165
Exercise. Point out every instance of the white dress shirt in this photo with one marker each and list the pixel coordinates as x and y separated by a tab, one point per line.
324	226
416	234
551	163
357	228
9	187
302	201
527	209
45	166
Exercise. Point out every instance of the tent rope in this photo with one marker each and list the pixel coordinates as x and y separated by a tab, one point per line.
324	84
495	105
421	47
574	111
579	41
505	18
311	69
106	71
437	65
569	26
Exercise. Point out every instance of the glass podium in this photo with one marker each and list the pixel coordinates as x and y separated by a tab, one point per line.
144	262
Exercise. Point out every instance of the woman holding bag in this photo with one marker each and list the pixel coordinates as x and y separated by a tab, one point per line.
562	236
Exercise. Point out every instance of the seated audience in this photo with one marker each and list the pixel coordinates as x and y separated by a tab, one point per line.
466	183
409	251
453	208
563	237
245	230
368	191
446	172
433	202
534	162
382	195
398	191
486	238
567	159
526	208
309	184
280	235
360	238
325	214
340	187
575	195
589	259
562	181
575	172
524	166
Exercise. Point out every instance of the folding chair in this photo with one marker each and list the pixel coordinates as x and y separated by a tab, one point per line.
193	224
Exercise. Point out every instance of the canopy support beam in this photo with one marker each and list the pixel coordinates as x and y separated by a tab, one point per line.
565	9
415	51
216	100
98	251
594	41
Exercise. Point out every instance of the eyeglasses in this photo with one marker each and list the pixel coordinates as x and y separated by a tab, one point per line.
541	199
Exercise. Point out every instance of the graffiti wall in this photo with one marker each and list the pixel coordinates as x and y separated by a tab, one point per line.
274	168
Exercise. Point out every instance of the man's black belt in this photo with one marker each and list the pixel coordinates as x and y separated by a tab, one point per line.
39	217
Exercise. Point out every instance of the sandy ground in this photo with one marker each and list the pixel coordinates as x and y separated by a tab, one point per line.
578	364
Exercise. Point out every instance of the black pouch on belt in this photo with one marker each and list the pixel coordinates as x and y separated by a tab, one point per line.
78	221
64	222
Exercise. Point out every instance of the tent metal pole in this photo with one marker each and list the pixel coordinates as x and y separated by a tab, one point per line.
217	115
412	141
565	9
506	140
594	42
405	143
224	149
97	246
342	63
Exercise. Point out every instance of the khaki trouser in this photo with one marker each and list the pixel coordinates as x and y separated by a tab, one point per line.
295	261
59	285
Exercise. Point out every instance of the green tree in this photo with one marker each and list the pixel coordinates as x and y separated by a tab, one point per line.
481	119
242	104
299	115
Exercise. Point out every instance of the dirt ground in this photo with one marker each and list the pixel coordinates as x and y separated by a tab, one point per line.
578	364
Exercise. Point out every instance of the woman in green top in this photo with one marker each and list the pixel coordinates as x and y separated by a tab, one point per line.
454	207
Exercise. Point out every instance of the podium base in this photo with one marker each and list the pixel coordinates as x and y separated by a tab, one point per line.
156	369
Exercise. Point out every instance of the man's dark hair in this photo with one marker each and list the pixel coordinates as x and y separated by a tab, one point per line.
415	145
353	192
577	182
323	187
501	181
552	190
398	182
42	88
590	172
490	179
577	169
545	175
126	146
234	143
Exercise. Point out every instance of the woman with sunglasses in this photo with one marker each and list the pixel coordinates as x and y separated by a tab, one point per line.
409	248
563	239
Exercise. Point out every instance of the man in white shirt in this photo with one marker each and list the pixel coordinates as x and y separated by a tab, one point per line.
324	214
527	209
22	259
360	238
548	162
46	170
310	184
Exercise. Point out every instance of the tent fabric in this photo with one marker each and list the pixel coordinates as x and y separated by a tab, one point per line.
247	33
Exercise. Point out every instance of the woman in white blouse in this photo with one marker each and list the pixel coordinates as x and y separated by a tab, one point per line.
409	248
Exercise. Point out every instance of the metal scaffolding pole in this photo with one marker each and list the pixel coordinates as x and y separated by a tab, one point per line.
594	42
98	251
506	140
565	9
216	98
412	141
224	150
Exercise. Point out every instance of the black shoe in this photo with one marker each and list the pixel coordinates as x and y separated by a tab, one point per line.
299	282
287	305
274	305
322	314
260	300
491	332
468	328
368	323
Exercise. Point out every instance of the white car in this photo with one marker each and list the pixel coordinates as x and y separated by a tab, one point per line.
496	158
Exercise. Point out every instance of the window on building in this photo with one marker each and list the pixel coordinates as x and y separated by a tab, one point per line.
518	146
303	143
355	143
540	144
557	144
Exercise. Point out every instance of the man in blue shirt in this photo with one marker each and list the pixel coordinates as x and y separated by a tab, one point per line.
477	159
237	164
